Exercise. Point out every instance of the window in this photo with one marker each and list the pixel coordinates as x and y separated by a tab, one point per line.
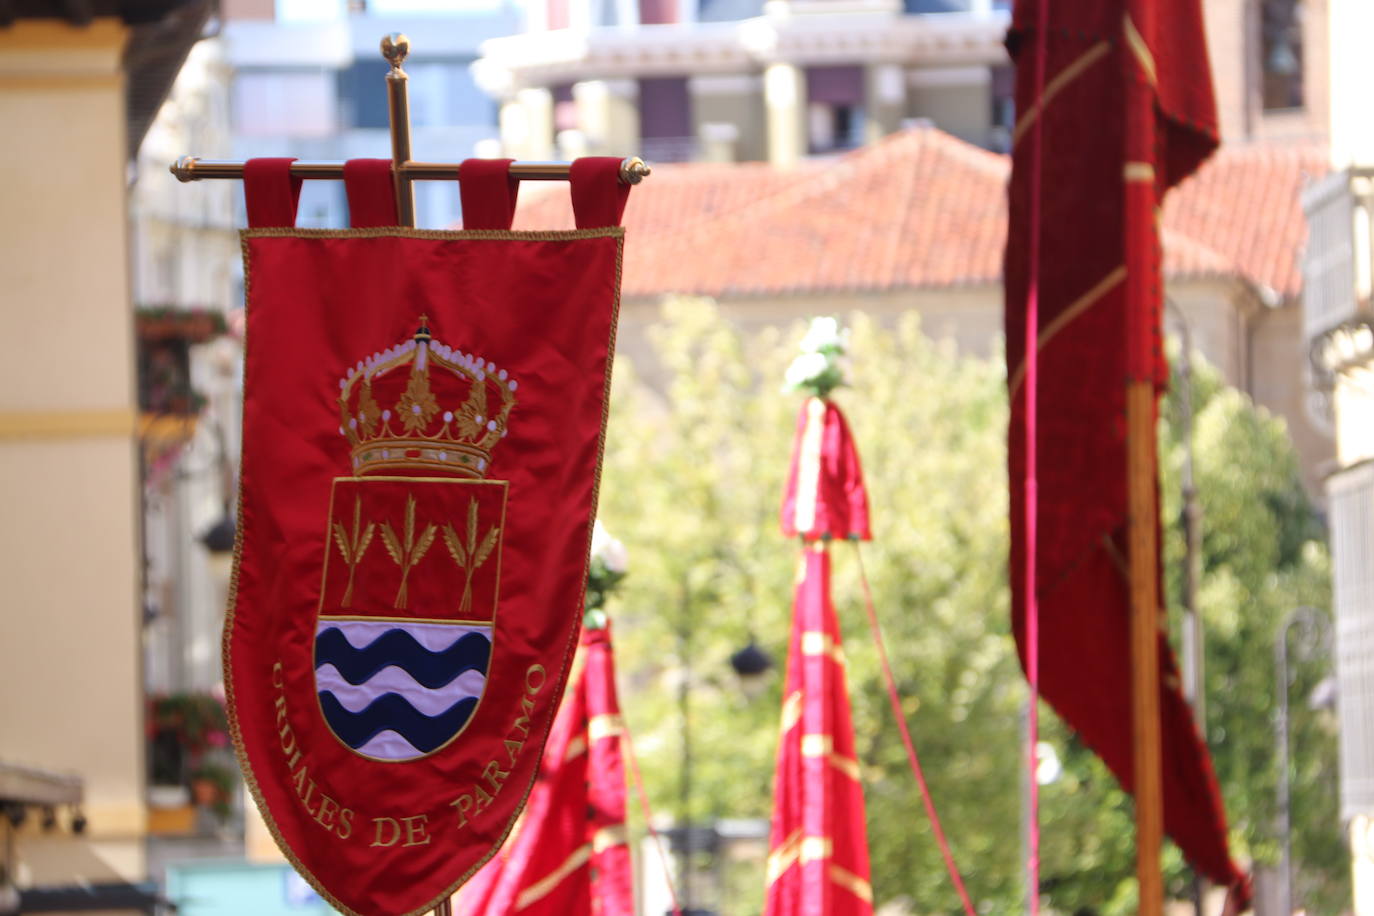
289	103
1003	98
665	120
1281	54
362	94
835	108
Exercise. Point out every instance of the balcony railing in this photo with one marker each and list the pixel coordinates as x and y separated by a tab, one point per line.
1338	266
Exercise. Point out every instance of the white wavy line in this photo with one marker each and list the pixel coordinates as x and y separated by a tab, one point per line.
394	679
436	637
389	745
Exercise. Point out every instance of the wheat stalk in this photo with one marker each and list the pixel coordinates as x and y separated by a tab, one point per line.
408	551
471	556
353	546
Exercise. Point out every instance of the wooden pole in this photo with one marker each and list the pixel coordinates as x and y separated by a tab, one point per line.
1149	789
1143	299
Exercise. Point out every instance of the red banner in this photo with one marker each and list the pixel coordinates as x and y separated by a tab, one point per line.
423	418
570	854
818	858
1107	64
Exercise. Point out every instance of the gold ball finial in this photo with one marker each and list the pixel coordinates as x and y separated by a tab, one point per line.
634	170
395	47
184	169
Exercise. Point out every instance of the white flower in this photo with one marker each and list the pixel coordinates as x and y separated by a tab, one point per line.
825	333
805	368
609	550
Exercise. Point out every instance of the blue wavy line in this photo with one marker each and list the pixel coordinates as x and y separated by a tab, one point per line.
397	647
390	710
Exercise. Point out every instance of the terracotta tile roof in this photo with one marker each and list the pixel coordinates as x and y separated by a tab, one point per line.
921	209
1245	205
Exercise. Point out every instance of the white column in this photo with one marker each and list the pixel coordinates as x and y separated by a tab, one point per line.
608	116
884	100
526	123
784	96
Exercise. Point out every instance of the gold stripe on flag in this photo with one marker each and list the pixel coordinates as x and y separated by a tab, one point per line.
782	858
1054	86
816	849
1076	308
608	836
791	711
541	888
818	642
1136	42
606	725
824	746
851	882
1139	171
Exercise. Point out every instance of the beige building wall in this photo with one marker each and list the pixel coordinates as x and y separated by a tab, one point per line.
951	101
1233	39
68	476
1279	372
735	99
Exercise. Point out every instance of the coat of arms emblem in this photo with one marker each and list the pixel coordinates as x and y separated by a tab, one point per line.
401	657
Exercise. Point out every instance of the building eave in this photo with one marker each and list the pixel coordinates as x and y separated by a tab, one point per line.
542	59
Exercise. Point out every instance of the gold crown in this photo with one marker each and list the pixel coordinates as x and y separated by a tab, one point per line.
445	421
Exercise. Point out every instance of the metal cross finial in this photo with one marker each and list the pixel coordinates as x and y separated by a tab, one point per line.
396	48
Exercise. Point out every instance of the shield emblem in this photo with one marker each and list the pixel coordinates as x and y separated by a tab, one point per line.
401	659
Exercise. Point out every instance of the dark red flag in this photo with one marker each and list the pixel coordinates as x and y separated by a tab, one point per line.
818	858
569	855
423	418
1091	342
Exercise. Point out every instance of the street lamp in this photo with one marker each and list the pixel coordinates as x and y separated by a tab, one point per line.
752	665
1193	687
219	538
1314	632
1192	627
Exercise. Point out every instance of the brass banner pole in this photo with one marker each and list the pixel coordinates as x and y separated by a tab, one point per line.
395	47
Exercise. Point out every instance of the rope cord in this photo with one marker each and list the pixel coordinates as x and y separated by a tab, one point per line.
1032	496
915	762
629	746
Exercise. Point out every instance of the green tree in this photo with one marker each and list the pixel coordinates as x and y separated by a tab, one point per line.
695	461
